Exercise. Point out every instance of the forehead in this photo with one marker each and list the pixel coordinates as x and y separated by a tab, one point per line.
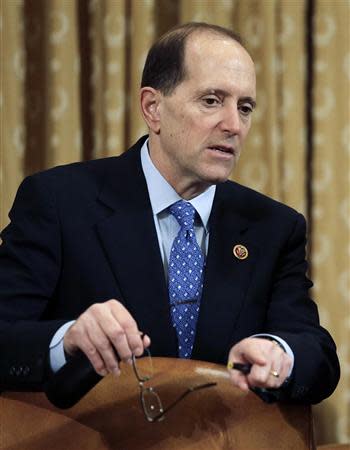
212	58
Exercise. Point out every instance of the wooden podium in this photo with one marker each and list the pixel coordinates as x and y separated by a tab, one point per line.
111	416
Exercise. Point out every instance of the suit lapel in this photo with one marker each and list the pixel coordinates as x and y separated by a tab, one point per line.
130	242
226	277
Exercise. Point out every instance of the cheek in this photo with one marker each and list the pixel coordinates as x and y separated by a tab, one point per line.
247	127
186	128
244	133
202	127
191	136
180	126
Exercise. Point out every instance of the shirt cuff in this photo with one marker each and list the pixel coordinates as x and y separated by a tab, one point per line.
284	345
57	356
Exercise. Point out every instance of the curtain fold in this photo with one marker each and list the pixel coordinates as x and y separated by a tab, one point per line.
331	199
12	142
70	77
106	24
274	157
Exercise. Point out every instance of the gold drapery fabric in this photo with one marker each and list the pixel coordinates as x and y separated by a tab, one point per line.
69	91
331	198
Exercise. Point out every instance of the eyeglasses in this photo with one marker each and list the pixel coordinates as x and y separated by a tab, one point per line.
150	400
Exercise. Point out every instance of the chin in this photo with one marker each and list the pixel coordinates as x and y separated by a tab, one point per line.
216	179
218	176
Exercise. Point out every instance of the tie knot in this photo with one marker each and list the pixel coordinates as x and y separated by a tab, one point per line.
184	213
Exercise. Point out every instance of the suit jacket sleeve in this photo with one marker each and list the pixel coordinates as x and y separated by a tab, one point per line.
29	268
293	316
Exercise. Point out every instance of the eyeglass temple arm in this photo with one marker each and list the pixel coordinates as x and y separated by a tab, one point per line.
182	396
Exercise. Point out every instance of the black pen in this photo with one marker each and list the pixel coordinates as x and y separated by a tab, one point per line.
244	368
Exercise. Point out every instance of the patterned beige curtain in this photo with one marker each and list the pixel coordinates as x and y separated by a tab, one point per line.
69	91
331	200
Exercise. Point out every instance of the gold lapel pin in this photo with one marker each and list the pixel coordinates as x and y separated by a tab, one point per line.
240	251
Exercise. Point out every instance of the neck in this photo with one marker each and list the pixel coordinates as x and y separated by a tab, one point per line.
186	188
187	191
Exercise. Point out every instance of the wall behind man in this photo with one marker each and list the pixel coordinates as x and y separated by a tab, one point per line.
69	91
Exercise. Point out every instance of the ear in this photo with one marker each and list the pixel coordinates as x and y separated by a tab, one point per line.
150	99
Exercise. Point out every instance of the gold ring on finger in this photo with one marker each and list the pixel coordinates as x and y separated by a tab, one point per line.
274	373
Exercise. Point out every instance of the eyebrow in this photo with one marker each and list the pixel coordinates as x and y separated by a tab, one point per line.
224	93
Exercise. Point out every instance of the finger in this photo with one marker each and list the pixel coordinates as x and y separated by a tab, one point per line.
110	317
273	374
129	339
95	323
259	376
246	351
88	348
135	341
279	366
76	338
239	380
116	336
252	351
103	348
146	341
285	367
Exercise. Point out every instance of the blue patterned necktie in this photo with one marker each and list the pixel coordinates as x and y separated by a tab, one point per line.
186	269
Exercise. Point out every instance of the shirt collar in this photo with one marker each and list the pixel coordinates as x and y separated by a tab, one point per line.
162	194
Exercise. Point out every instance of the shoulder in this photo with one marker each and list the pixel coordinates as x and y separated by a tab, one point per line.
255	206
86	177
80	172
70	183
231	190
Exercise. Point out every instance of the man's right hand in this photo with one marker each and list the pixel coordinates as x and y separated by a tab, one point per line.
104	331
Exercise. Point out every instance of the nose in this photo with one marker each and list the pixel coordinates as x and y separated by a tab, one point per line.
230	122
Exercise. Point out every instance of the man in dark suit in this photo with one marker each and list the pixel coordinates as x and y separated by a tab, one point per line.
88	261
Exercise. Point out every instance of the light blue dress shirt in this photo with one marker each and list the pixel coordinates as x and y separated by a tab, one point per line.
162	195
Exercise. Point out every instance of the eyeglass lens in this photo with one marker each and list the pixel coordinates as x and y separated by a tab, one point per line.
152	405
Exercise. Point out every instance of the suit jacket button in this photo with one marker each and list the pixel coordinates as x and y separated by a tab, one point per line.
12	370
26	371
19	371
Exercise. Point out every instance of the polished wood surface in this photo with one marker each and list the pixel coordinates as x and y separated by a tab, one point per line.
111	417
334	447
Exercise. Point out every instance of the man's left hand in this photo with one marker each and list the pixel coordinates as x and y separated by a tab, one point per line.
270	365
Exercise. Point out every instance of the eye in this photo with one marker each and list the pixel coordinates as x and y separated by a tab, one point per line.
211	100
246	109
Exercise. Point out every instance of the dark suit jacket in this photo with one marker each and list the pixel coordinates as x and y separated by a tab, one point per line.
84	233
